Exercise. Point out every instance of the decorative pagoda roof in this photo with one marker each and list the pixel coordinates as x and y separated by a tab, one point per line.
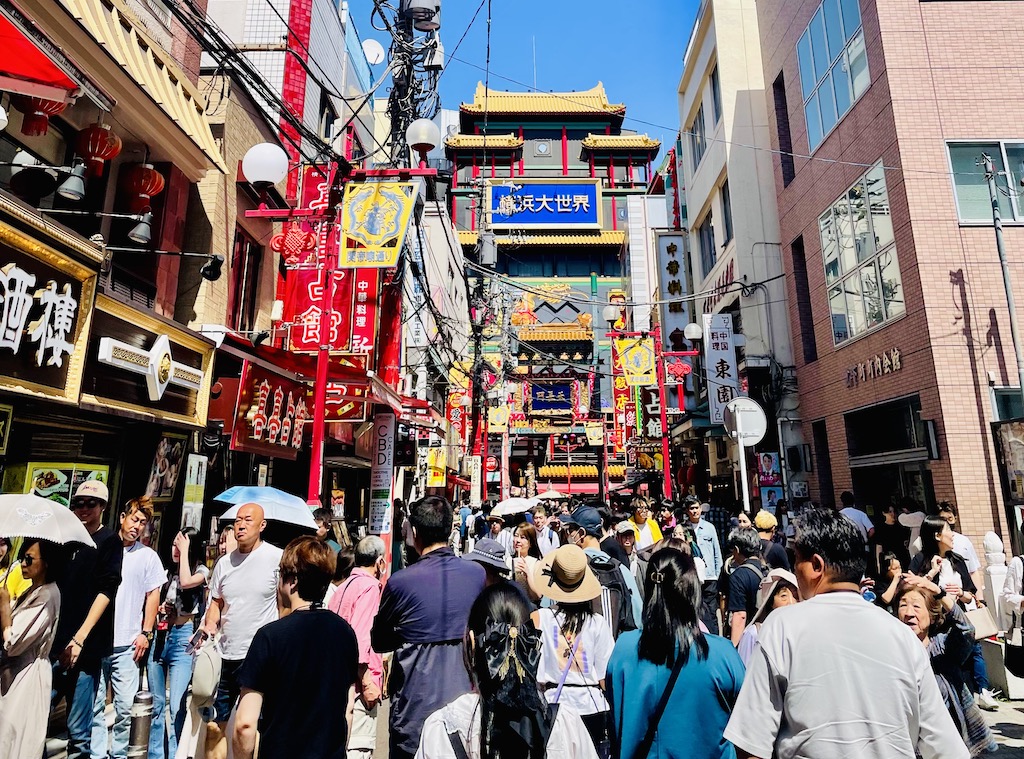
604	237
556	333
594	100
621	142
493	141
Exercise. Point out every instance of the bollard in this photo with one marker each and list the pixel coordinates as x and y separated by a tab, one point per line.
142	718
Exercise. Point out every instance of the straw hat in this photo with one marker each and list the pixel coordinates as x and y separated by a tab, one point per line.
565	577
767	587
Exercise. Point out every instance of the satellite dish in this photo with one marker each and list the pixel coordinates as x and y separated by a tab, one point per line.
373	51
452	129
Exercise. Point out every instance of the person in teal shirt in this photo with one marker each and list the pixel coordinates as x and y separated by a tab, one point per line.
709	680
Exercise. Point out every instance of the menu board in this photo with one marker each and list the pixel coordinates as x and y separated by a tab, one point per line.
56	481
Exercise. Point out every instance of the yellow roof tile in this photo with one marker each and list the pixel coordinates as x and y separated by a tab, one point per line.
620	141
604	237
556	333
477	141
594	100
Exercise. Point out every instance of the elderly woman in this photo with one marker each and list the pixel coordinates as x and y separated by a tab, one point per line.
938	622
27	631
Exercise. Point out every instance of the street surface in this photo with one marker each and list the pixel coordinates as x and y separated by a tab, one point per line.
1008	726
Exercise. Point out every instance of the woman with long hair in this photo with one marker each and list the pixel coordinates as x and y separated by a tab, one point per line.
27	631
941	626
700	673
525	555
504	717
170	664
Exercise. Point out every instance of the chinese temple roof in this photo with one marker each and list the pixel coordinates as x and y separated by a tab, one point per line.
496	141
604	237
621	142
556	333
594	100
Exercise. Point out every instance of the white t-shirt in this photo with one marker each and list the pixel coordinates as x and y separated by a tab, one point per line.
589	663
835	677
963	546
569	737
141	572
248	584
859	518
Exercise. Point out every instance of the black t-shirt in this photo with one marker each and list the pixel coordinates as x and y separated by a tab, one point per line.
743	584
774	555
92	571
894	538
613	548
304	666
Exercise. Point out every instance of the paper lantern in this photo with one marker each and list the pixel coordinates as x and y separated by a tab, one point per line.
142	182
37	113
96	144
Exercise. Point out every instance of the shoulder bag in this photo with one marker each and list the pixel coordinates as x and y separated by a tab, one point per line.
652	726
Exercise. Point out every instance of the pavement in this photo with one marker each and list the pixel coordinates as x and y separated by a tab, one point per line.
1007	725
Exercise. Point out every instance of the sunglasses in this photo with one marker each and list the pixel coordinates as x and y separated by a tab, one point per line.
85	504
27	560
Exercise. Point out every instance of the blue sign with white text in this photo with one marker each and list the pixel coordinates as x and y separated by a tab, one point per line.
550	398
546	203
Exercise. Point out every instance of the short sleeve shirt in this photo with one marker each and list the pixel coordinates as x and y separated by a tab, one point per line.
743	584
594	646
859	518
247	583
141	572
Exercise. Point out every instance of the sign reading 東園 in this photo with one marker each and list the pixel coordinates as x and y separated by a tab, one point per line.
720	360
534	203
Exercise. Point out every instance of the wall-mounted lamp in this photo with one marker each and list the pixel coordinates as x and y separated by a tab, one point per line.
211	270
141	233
259	338
72	188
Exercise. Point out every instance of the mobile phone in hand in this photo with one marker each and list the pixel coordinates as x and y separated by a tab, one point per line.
196	642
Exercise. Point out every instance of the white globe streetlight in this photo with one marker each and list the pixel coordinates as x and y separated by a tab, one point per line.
264	165
423	135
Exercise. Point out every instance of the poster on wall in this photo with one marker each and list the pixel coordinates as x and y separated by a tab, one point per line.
167	463
770	498
195	492
768	471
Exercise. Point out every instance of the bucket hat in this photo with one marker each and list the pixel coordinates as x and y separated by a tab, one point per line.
490	553
767	588
565	577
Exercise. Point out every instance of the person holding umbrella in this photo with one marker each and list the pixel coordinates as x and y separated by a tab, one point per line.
28	631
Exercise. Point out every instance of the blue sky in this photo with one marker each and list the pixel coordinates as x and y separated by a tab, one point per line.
635	48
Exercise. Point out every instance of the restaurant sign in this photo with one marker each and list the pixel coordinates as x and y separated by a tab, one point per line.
271	414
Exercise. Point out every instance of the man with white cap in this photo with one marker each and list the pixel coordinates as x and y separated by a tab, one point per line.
85	631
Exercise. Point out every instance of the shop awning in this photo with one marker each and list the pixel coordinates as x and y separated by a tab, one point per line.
27	70
459	481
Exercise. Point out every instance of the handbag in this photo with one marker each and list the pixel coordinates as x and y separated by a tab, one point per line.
652	726
1013	649
983	622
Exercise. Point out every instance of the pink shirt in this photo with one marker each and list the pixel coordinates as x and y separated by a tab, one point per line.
356	601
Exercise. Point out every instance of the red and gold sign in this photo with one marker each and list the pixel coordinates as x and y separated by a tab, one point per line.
271	414
303	296
345	402
455	412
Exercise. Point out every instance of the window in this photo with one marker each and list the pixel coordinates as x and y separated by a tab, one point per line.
803	301
782	127
858	252
833	66
716	95
697	142
706	243
246	261
328	117
726	212
823	459
970	187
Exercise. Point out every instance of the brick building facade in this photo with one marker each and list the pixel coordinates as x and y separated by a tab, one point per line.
899	316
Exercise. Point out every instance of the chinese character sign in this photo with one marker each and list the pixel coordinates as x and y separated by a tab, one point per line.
271	414
720	364
303	300
527	203
637	357
375	217
673	283
551	399
365	297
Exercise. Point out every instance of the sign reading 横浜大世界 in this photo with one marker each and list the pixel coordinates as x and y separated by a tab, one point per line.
536	203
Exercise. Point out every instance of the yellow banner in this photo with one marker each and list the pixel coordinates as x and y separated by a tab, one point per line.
595	435
637	359
375	217
497	419
437	460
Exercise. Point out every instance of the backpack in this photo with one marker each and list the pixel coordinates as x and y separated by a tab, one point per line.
615	601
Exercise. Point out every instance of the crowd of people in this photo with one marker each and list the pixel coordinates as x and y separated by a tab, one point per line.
581	630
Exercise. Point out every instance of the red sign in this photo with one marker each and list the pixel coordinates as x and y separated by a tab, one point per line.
271	414
304	290
491	464
343	401
364	313
456	413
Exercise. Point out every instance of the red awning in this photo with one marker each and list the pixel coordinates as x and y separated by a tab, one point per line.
301	364
459	481
27	70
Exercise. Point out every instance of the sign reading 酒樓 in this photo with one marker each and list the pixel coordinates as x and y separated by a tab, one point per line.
271	414
536	203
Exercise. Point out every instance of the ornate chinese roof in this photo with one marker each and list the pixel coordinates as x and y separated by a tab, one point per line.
621	142
604	237
594	100
556	333
496	141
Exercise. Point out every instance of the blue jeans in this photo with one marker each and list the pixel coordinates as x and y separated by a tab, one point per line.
977	670
122	672
172	668
78	689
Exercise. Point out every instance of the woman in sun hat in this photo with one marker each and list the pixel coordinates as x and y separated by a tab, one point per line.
777	589
577	641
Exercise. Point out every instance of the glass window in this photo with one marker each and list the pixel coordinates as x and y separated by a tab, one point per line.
833	66
859	256
716	95
706	242
969	181
726	211
697	142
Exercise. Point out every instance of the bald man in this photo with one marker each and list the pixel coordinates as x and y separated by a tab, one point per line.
243	598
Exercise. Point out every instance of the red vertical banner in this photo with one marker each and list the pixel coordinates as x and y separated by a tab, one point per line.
455	412
389	345
302	298
621	401
366	290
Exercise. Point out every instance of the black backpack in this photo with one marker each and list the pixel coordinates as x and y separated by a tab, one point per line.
616	601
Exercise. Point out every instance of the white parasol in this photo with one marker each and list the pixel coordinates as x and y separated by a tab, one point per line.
30	516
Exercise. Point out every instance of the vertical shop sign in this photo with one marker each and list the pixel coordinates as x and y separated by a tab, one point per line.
195	491
475	481
673	283
382	474
366	289
302	298
720	360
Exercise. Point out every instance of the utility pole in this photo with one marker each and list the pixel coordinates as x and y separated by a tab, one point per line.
1011	305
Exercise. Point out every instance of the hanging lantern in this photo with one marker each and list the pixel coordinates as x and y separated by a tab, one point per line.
37	113
96	144
142	181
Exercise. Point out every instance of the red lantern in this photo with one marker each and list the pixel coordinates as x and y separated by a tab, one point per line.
37	113
142	181
98	143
